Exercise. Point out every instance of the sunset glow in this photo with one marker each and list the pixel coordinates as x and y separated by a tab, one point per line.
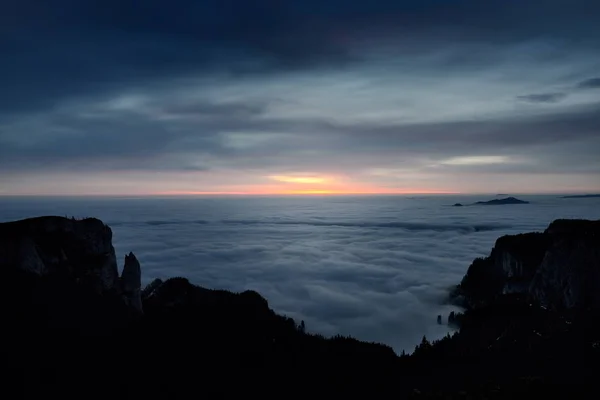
303	189
299	179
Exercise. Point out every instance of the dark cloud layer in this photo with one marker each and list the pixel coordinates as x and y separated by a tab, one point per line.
101	144
67	48
72	71
592	83
543	97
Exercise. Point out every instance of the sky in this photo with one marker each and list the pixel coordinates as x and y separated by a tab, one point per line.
299	97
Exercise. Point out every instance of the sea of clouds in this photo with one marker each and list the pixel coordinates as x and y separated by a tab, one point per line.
377	268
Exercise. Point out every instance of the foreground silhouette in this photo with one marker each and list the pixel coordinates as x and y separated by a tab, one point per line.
71	326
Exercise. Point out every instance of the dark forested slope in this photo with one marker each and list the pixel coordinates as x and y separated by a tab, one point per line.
72	326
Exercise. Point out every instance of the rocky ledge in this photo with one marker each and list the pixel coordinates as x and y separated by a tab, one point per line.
80	251
558	268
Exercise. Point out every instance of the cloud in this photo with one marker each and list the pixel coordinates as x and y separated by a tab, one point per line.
299	179
73	49
217	152
591	83
108	142
543	97
264	88
477	160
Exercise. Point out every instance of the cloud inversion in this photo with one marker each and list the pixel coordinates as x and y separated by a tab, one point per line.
379	268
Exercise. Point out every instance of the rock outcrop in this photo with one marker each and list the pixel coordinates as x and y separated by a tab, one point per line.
569	274
150	290
559	268
131	282
179	292
79	251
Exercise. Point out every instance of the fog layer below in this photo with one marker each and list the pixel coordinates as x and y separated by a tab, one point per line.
377	268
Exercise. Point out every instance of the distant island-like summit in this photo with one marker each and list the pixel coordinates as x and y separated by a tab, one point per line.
581	196
507	200
496	202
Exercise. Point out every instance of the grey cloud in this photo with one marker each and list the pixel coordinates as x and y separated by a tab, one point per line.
543	97
592	83
71	55
130	140
549	163
136	139
208	109
488	134
83	49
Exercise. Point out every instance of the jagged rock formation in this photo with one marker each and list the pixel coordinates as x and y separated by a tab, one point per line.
150	289
80	251
559	268
131	282
77	249
569	275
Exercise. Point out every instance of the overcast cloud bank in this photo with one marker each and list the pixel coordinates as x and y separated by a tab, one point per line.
218	96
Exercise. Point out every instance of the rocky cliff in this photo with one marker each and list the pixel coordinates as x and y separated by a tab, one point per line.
68	318
68	328
72	250
558	268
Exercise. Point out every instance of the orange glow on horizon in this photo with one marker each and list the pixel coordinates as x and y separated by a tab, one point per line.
308	192
303	184
299	179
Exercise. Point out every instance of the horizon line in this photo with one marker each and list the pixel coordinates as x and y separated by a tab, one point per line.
290	194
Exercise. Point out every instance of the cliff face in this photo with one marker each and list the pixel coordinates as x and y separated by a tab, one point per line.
59	246
80	251
569	274
559	268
